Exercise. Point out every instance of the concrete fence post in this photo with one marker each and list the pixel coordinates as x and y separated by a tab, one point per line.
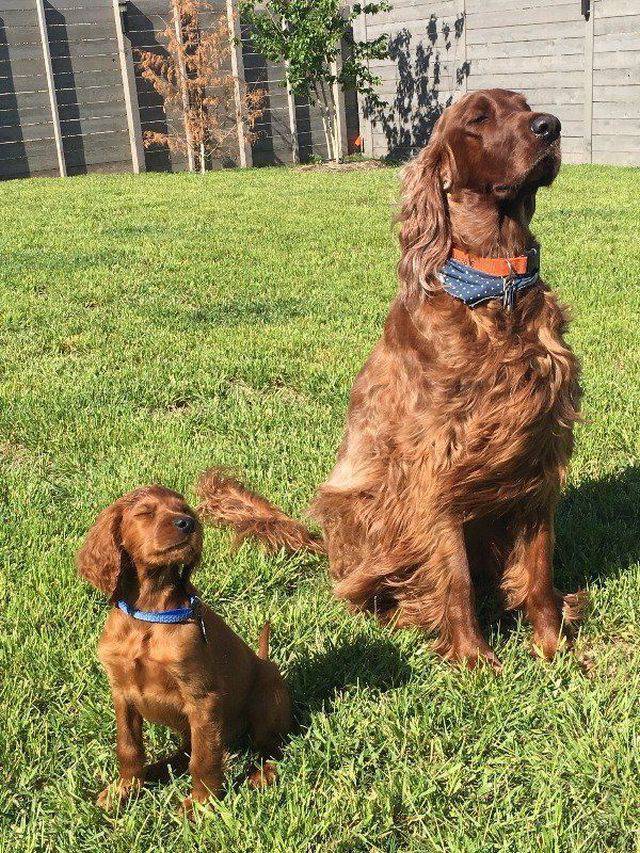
237	72
129	89
51	86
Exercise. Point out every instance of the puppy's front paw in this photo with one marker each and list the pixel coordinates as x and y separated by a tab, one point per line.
260	777
116	794
187	808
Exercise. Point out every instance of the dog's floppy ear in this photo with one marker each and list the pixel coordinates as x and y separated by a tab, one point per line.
425	233
101	557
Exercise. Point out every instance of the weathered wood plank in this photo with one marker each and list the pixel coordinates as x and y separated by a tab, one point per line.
525	49
401	14
525	79
617	110
628	59
106	48
616	142
547	64
628	78
536	94
90	78
614	8
538	14
523	32
17	6
624	94
617	26
613	126
614	42
516	7
618	158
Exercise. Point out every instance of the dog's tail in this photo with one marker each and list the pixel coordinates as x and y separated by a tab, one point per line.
263	642
225	501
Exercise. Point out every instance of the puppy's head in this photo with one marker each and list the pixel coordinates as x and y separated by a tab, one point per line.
150	531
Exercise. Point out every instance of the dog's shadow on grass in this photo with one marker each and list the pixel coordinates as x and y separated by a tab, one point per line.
598	529
318	680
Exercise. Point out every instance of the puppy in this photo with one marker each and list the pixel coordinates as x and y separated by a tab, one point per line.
169	658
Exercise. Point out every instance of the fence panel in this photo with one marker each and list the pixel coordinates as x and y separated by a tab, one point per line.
616	66
426	66
27	137
585	70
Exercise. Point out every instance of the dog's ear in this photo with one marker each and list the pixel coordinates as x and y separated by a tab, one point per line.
101	557
425	233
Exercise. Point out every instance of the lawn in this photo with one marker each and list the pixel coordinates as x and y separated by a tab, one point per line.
154	325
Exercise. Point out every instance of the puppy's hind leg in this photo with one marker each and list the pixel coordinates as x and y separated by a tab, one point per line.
269	723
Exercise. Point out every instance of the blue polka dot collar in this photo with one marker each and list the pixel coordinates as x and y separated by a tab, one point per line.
473	287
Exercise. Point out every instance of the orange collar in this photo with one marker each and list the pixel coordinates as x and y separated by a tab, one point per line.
500	266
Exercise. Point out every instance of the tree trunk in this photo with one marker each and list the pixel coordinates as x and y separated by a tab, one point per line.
182	82
328	119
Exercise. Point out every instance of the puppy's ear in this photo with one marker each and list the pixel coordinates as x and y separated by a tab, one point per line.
101	557
425	233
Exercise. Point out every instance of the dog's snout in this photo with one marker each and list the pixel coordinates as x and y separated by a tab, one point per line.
184	523
546	127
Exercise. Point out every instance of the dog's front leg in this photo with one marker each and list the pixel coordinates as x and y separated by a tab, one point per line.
130	752
207	748
460	638
528	582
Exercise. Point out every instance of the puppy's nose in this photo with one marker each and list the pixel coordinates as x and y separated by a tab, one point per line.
184	523
546	127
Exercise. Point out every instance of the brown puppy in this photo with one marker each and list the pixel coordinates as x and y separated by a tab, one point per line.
195	676
460	424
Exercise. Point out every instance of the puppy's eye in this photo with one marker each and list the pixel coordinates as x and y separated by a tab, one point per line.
144	510
478	119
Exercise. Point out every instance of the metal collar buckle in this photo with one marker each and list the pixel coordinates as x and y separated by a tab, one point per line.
509	288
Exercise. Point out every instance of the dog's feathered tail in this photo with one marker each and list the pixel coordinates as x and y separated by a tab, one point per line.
225	501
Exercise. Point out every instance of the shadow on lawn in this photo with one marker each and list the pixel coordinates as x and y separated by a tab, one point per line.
314	682
598	529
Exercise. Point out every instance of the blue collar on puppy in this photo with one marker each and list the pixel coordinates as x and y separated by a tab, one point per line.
179	616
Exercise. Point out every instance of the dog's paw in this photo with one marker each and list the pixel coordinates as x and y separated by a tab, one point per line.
473	656
187	808
116	794
261	777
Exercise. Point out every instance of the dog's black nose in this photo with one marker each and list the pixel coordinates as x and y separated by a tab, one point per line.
546	126
184	523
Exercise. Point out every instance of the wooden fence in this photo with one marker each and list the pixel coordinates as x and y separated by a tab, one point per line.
579	59
72	99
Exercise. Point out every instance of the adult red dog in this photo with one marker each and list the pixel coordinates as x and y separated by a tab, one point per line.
460	425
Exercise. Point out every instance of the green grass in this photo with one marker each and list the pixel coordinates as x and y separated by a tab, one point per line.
152	326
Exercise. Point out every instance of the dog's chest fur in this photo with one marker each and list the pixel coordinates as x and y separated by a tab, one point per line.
500	403
479	406
141	665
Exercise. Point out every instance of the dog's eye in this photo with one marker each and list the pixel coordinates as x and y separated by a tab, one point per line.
478	119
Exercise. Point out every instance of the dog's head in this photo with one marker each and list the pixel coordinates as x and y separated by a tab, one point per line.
488	143
150	531
491	142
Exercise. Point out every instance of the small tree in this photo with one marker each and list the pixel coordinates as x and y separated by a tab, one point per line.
195	82
307	36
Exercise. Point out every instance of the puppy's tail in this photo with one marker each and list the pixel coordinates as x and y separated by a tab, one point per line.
225	501
263	642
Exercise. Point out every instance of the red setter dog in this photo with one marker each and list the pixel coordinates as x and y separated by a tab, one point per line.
460	424
170	659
